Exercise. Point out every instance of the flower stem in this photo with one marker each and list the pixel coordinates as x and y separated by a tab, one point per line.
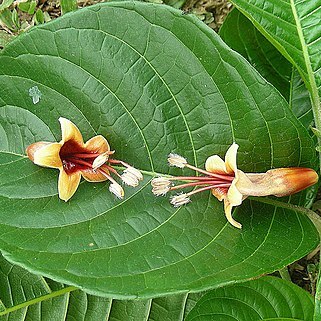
314	217
284	273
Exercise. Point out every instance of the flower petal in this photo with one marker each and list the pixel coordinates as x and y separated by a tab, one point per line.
230	159
91	175
46	155
68	184
97	144
219	192
69	131
234	196
31	149
215	164
228	213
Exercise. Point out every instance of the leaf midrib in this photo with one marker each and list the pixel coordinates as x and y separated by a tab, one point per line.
39	299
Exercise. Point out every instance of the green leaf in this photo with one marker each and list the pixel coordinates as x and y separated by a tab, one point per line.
39	17
241	35
5	4
28	6
131	72
300	100
8	19
25	296
5	38
293	28
268	298
68	5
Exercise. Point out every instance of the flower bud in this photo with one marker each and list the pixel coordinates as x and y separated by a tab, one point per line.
291	180
278	182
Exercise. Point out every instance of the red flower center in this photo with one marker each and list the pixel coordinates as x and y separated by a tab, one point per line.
75	157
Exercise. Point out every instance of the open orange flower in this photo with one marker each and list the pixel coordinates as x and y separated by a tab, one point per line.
74	159
231	185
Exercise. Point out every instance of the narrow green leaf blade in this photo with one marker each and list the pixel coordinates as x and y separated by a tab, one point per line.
5	4
120	70
293	27
241	35
267	298
68	5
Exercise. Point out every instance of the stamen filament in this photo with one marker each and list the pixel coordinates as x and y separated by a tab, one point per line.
110	169
79	161
116	161
100	170
194	178
222	176
86	155
219	184
205	189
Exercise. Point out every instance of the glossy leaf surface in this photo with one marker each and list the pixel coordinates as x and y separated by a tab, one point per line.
24	296
268	298
241	35
293	27
153	82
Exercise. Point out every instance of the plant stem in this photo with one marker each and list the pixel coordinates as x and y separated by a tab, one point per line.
284	273
314	217
39	299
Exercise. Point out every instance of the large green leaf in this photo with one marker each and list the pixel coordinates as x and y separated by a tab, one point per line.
24	296
241	35
293	27
267	298
152	81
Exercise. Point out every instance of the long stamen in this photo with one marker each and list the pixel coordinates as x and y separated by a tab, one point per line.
100	170
86	155
79	161
205	189
195	178
110	169
222	176
211	183
116	161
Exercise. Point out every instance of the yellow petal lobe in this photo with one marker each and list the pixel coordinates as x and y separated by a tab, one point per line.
228	213
97	144
91	176
47	155
68	184
230	159
69	131
215	164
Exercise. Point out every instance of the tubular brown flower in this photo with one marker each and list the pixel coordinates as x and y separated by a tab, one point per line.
229	184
